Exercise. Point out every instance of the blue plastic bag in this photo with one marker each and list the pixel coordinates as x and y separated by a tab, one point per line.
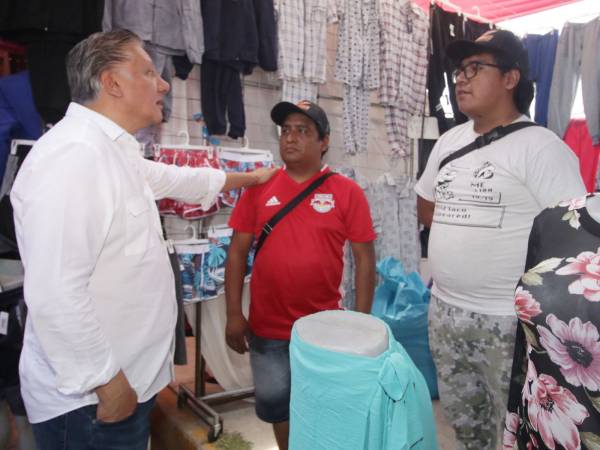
402	301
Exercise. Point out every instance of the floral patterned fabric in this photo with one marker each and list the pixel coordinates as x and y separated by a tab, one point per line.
554	400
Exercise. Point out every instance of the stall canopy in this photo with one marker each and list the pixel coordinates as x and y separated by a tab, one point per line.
495	10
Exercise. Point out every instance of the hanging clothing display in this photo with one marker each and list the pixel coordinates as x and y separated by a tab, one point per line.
445	28
182	157
392	202
221	96
238	36
302	38
354	402
357	66
403	68
577	56
555	376
541	50
49	29
18	116
296	91
240	163
174	27
578	138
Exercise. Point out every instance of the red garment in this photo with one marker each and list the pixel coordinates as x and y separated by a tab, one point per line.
299	268
187	158
578	138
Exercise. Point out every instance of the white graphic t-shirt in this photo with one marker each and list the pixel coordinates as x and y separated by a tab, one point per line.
485	203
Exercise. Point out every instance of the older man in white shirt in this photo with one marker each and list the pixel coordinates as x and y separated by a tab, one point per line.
99	286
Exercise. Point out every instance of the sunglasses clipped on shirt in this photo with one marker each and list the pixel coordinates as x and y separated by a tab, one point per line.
471	69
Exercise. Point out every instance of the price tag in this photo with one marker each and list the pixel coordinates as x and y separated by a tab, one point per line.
4	323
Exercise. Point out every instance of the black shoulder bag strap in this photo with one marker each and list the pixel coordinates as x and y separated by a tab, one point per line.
268	227
486	139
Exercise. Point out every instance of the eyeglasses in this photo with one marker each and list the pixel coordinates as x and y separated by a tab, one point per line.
471	69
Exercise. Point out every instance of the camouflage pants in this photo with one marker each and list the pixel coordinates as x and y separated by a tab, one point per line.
473	354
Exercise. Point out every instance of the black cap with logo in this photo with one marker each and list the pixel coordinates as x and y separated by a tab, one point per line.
501	42
313	111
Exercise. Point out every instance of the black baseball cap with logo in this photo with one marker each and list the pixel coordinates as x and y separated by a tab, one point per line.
313	111
500	42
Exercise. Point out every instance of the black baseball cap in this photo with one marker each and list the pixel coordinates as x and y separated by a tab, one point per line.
313	111
500	42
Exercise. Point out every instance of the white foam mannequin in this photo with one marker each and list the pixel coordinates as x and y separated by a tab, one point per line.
592	204
344	332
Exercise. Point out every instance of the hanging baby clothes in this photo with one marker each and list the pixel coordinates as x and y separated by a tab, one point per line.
578	138
403	71
392	202
302	37
577	55
541	50
357	66
393	208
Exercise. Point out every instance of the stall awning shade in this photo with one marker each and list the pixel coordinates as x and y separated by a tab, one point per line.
496	10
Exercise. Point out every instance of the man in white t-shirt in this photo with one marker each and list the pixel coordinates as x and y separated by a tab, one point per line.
480	208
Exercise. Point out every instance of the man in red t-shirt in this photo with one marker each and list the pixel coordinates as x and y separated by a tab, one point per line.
299	268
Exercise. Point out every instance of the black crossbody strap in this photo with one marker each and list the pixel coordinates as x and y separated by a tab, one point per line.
268	227
486	139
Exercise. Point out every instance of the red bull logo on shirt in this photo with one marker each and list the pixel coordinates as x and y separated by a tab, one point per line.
322	203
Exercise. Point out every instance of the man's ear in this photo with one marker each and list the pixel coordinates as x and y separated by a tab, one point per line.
512	78
324	144
110	81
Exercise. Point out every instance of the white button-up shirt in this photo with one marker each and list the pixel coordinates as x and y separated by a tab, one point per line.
98	282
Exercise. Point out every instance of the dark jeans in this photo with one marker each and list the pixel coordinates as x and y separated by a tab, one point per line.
80	430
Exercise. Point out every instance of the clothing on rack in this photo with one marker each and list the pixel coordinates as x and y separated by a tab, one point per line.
302	38
182	157
392	202
296	91
403	68
240	163
174	27
541	50
577	56
238	35
18	116
49	29
357	66
578	138
221	95
445	28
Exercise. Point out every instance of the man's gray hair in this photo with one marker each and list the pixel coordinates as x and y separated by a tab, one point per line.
92	56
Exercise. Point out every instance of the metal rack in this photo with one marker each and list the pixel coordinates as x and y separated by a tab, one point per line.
197	399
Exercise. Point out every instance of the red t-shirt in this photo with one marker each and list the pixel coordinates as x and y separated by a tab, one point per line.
299	268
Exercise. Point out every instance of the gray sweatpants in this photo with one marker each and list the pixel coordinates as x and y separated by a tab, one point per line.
473	355
577	55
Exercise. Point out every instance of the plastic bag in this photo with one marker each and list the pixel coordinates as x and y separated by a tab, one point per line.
402	301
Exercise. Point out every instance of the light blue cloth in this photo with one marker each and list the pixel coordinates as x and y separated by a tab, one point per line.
351	402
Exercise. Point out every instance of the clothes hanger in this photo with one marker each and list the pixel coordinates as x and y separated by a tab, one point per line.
245	148
194	240
15	143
